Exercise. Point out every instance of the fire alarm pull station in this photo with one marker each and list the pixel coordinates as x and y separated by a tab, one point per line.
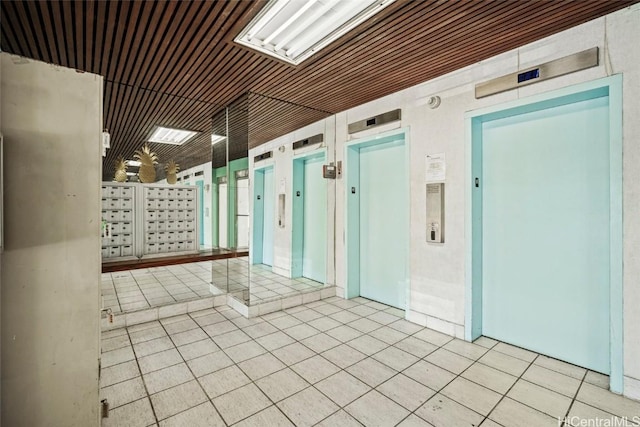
435	213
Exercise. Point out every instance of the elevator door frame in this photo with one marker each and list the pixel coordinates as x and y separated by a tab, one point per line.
473	198
352	211
298	218
256	188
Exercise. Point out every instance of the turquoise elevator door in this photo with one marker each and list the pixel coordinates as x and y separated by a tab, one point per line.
383	223
268	217
314	239
545	233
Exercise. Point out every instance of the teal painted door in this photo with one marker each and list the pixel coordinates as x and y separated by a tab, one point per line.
383	223
545	233
268	218
314	239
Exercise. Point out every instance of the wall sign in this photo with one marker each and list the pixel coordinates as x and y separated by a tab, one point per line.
435	167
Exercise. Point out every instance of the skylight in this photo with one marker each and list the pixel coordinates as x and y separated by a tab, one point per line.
164	135
293	30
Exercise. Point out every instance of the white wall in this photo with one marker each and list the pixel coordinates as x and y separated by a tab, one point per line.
437	296
51	120
283	170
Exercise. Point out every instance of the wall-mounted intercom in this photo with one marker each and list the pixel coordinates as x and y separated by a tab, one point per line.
435	213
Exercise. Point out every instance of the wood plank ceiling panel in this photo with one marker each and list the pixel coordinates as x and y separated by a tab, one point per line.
175	64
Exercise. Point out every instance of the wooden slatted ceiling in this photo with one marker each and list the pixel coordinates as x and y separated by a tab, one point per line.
174	63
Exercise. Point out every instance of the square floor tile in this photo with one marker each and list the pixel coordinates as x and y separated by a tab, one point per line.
114	357
231	338
466	349
415	346
281	384
244	351
187	337
503	362
203	415
383	318
405	391
341	419
261	366
115	343
271	417
284	322
364	325
293	353
118	373
440	411
307	315
134	414
153	346
367	345
223	381
342	388
275	340
163	379
429	374
161	360
486	342
344	333
562	367
388	335
449	361
433	337
179	326
320	342
511	413
517	352
607	401
124	392
307	407
597	379
552	380
209	363
344	316
343	356
324	323
405	326
300	332
415	421
260	329
198	348
471	395
147	334
219	328
540	398
489	377
395	358
371	372
241	403
376	409
177	399
581	415
315	369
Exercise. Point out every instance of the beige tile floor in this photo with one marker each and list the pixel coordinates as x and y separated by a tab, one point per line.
133	290
338	363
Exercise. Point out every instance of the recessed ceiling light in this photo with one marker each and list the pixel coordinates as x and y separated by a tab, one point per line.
293	30
217	138
164	135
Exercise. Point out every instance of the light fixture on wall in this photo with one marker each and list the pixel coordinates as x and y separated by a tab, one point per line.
133	163
171	136
295	30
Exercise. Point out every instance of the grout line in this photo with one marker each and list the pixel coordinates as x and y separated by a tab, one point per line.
575	396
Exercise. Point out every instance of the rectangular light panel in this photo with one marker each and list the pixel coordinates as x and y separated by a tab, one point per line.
293	30
164	135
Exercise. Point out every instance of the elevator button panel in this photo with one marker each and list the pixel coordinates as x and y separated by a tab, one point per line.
435	213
